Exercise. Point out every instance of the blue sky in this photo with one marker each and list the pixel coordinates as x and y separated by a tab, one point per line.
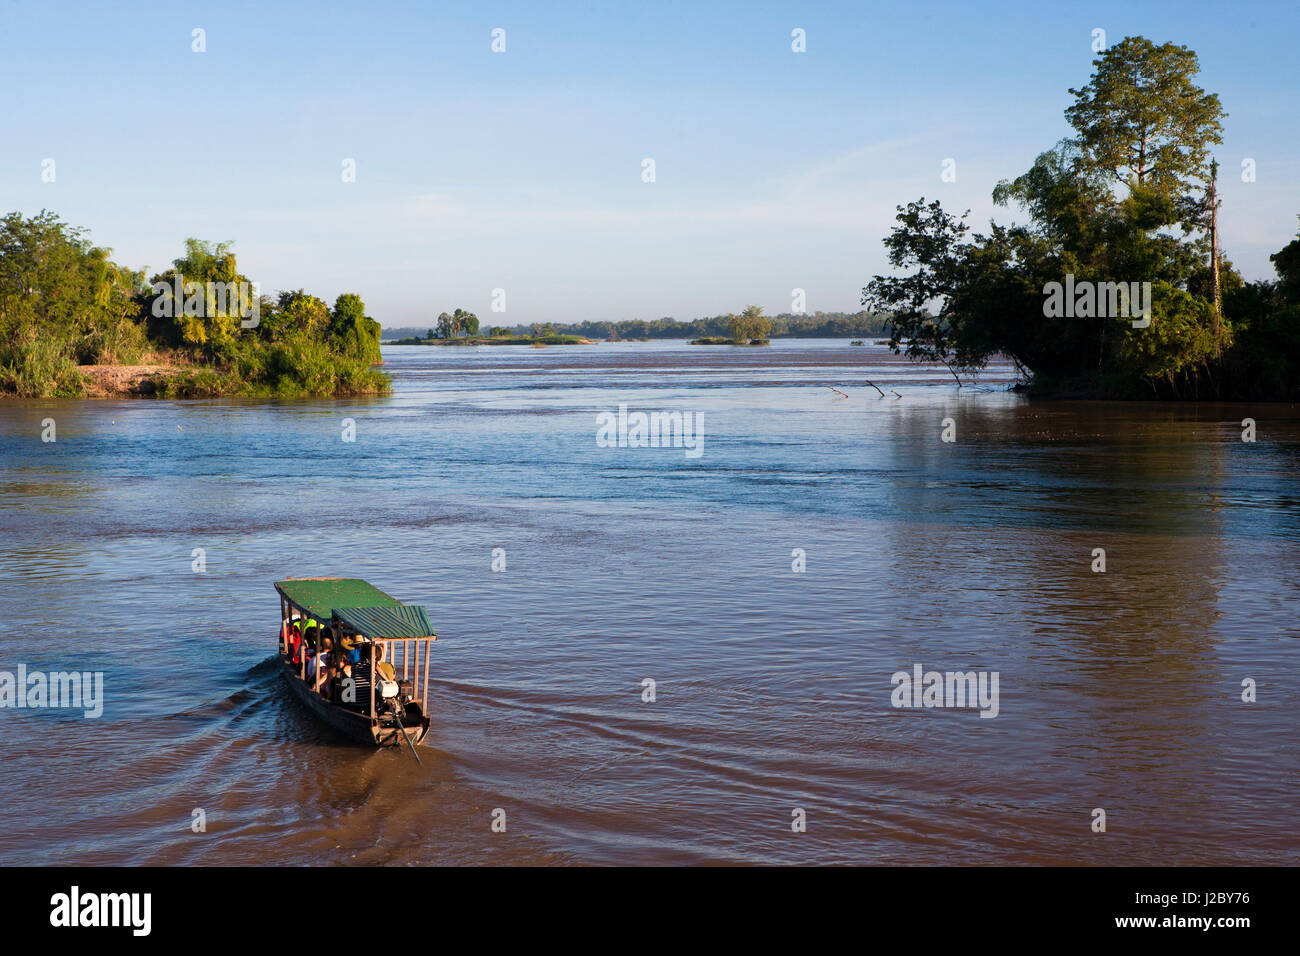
522	170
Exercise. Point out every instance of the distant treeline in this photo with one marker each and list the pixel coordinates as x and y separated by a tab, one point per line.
65	303
816	325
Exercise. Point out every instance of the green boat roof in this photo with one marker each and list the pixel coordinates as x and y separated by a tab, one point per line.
319	596
407	620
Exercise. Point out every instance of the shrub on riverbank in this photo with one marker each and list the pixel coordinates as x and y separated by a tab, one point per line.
64	303
298	367
40	368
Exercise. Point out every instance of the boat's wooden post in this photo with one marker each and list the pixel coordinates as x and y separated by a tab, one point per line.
373	675
406	646
424	701
415	653
284	619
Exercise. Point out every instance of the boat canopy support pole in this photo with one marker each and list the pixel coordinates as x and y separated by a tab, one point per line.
374	676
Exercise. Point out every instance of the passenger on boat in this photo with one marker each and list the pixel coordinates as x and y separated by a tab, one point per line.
384	669
310	631
351	650
309	651
320	659
295	642
342	668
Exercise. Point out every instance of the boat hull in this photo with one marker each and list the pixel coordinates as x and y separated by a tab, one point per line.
349	723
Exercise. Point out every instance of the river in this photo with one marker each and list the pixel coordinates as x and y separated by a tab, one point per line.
769	586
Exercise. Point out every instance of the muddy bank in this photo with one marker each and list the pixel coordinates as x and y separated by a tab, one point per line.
116	381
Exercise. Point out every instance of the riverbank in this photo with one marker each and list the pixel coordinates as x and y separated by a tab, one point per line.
499	340
174	380
120	381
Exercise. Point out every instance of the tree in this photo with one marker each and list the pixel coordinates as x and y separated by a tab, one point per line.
353	332
930	243
63	302
1287	263
750	325
1143	120
213	326
445	328
963	297
462	321
303	313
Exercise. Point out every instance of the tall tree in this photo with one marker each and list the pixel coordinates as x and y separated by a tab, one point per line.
1143	120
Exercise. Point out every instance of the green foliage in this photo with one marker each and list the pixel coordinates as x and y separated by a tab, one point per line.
295	366
751	325
450	326
123	342
63	302
352	332
1265	316
1179	340
961	298
813	325
504	338
466	322
1142	119
201	319
39	368
1287	263
56	286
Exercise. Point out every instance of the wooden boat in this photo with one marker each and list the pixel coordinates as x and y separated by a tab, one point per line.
358	615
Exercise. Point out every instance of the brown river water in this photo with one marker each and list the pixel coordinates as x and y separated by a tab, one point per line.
1118	690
